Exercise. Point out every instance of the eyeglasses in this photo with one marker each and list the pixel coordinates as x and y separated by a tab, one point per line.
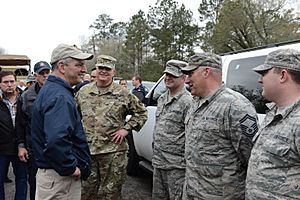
104	68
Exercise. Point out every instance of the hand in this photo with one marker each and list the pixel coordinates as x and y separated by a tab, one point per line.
119	136
77	173
23	154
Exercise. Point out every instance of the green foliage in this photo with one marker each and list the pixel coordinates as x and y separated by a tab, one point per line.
152	70
137	39
241	24
102	26
173	31
145	43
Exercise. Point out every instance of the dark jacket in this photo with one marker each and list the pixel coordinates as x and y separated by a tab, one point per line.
58	139
140	92
23	117
8	143
79	85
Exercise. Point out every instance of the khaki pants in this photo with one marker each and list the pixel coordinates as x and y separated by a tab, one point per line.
50	185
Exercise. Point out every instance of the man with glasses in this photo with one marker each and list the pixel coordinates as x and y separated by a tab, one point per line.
58	139
169	135
23	122
274	165
104	106
219	129
8	144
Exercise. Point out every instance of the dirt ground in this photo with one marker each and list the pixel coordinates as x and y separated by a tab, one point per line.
135	187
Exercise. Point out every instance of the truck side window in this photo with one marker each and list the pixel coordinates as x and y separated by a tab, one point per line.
241	78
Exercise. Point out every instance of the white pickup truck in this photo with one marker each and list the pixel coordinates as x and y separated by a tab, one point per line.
237	74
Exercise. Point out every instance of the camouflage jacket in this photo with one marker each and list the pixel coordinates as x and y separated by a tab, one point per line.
104	113
169	134
274	165
219	129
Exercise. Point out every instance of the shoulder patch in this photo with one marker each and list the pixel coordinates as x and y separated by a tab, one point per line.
249	125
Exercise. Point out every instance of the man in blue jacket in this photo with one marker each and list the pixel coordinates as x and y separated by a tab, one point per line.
58	139
139	89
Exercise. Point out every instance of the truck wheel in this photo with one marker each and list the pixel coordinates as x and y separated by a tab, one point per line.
133	158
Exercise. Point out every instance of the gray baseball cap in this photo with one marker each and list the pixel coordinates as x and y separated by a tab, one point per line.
174	67
203	60
281	58
106	61
63	51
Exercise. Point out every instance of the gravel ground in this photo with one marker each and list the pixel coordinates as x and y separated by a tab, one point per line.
135	187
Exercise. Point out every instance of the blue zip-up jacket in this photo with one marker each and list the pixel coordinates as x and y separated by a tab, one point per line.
58	138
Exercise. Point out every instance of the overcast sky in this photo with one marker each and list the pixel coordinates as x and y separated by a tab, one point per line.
36	27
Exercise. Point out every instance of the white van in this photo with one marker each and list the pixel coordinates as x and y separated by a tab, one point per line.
237	74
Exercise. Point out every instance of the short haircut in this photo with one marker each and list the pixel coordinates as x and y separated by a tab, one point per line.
137	77
295	75
65	61
7	73
122	79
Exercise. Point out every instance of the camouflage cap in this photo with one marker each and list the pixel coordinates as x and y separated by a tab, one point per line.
203	60
40	66
30	78
106	61
63	51
174	67
282	58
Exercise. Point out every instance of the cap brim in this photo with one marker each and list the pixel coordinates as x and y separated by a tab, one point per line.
189	68
262	68
108	66
172	73
41	69
83	56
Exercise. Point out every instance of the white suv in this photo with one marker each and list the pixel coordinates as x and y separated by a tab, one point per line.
237	74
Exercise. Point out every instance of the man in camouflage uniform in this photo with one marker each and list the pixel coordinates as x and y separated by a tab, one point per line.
169	135
104	106
274	165
219	129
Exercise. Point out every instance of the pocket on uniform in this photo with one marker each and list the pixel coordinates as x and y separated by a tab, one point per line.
279	149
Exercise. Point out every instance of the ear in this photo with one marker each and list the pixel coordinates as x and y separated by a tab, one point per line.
284	75
114	72
206	72
61	67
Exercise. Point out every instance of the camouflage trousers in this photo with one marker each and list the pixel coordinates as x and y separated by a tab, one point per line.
108	173
168	184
